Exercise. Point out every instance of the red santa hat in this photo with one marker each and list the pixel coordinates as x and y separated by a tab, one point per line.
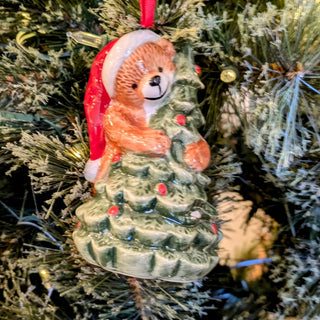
100	89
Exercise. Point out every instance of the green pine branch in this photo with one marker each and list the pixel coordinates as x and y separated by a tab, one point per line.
54	165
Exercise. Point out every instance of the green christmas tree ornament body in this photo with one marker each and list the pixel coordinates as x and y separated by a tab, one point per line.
150	217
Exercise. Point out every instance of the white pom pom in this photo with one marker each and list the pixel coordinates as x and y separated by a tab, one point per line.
91	169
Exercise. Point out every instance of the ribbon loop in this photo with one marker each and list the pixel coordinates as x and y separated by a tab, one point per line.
147	8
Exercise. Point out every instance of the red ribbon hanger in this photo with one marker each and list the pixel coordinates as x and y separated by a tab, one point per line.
147	8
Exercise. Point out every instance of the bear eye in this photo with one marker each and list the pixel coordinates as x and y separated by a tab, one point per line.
160	69
134	86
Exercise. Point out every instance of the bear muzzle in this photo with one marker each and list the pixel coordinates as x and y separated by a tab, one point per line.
156	87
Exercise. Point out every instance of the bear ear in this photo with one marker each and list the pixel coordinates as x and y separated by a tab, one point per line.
167	46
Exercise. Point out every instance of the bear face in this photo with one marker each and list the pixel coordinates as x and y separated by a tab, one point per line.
146	76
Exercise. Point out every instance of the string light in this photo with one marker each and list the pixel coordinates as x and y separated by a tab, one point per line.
44	274
86	38
77	154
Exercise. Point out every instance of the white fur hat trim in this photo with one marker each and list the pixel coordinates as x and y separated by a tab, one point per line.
120	52
91	169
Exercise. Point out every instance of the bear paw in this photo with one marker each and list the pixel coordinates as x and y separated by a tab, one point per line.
159	143
197	155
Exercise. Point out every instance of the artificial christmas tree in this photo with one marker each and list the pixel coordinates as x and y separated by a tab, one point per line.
260	67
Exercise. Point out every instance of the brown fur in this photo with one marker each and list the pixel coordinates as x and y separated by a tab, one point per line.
125	124
150	57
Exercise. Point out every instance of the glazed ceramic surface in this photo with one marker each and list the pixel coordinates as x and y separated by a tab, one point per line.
150	218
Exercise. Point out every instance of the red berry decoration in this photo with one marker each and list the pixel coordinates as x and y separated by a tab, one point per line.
162	189
79	224
117	157
198	69
214	228
181	119
113	211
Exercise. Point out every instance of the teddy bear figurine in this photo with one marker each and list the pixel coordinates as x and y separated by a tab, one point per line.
136	72
150	217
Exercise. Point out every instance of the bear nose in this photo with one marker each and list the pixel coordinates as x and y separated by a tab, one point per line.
155	81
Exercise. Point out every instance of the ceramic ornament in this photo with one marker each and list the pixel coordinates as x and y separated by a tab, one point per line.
150	217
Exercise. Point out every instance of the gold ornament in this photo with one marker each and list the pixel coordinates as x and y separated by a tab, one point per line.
228	75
